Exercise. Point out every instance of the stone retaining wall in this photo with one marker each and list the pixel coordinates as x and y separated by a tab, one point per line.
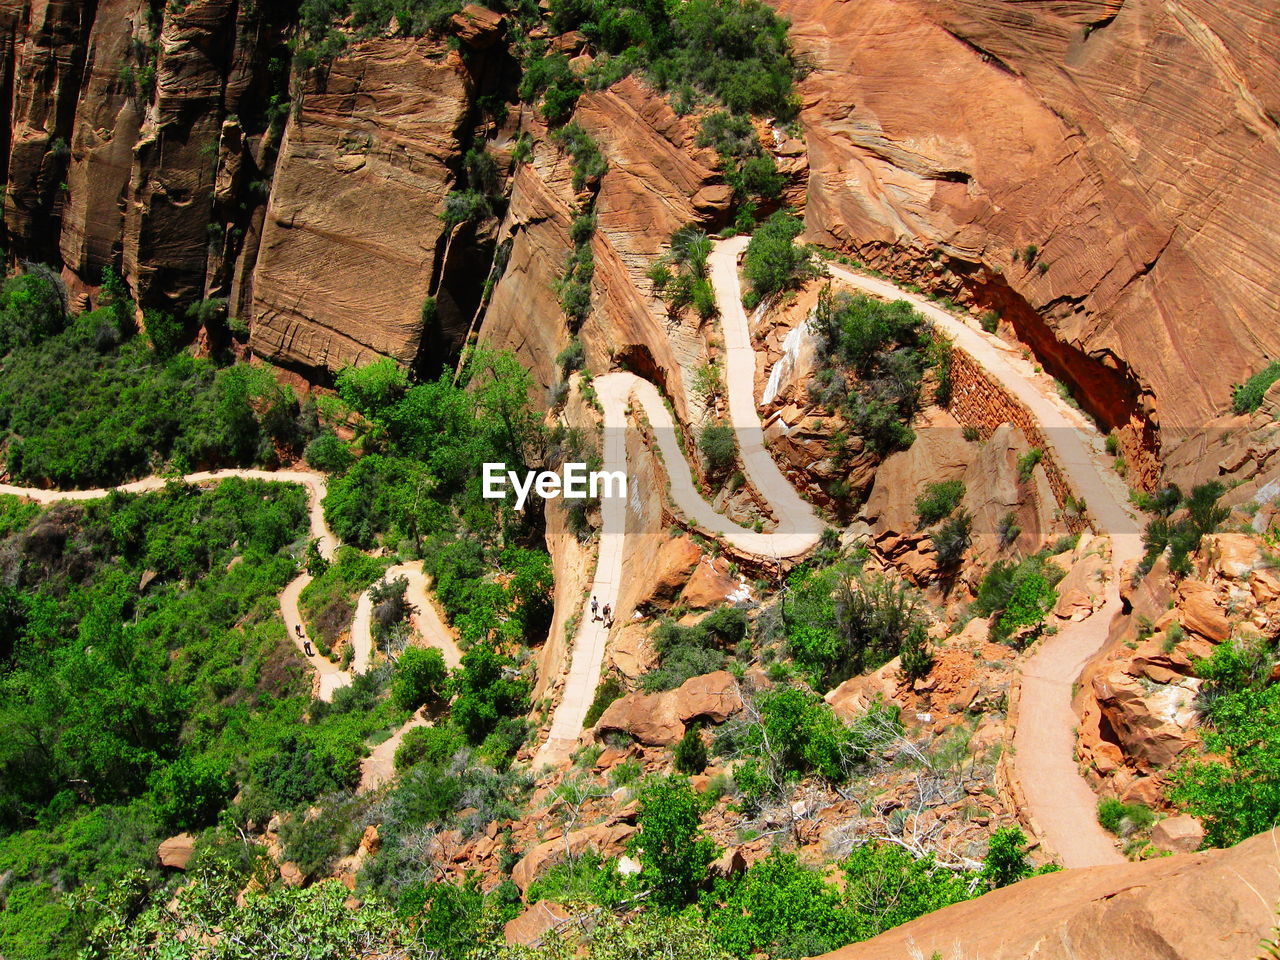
979	401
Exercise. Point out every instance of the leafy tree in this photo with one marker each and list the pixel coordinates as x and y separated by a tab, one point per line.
1236	790
719	447
190	792
773	262
671	847
32	308
690	754
421	678
488	688
374	387
1006	862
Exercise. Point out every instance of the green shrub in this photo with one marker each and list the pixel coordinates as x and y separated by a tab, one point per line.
1123	819
328	454
719	448
938	501
690	754
32	308
589	163
421	678
672	850
773	261
1247	397
1018	595
609	690
433	745
952	539
1027	463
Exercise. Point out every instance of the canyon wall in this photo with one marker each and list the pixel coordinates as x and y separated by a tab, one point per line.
1101	172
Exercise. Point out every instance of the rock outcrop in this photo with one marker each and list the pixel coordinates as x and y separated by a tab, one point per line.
660	719
1215	905
1049	160
349	245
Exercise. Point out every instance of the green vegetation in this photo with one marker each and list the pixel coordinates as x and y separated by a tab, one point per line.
791	733
736	51
840	622
1247	397
135	707
609	690
328	602
1027	463
680	277
951	540
686	652
773	261
719	447
874	355
1018	596
670	845
589	164
88	406
551	79
938	501
1123	819
1235	789
1180	537
421	679
748	169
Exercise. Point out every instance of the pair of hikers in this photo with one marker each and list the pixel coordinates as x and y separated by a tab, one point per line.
607	618
306	641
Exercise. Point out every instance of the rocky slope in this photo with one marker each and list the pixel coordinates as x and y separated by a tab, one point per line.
1131	144
1216	905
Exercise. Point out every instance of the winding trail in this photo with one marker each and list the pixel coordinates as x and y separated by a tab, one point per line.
796	531
328	676
1060	804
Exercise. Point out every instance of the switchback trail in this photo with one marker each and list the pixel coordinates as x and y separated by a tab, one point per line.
796	531
328	676
1060	803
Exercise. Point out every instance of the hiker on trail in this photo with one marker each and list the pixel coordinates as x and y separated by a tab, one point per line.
595	605
608	615
306	646
298	629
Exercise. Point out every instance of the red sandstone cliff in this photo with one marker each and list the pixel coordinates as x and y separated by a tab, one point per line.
1134	144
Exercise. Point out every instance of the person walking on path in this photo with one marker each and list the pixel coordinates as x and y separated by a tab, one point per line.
595	606
608	615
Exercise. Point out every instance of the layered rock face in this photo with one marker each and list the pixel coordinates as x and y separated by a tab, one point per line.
1216	905
349	246
168	144
657	182
1105	166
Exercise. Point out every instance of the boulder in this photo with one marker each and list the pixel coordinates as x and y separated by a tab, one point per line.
292	874
631	652
1232	555
659	719
712	585
669	571
609	840
1215	905
1151	729
476	26
1199	612
1178	834
176	851
529	926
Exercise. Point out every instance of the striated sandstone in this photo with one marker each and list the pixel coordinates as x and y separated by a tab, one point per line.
1131	143
349	244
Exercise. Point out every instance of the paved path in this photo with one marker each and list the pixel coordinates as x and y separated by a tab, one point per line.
797	528
1060	801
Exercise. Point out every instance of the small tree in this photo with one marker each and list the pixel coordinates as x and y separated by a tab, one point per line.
691	752
1006	863
719	448
674	853
421	678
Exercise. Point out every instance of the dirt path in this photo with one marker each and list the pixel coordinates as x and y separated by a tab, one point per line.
797	528
425	618
1060	801
327	676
